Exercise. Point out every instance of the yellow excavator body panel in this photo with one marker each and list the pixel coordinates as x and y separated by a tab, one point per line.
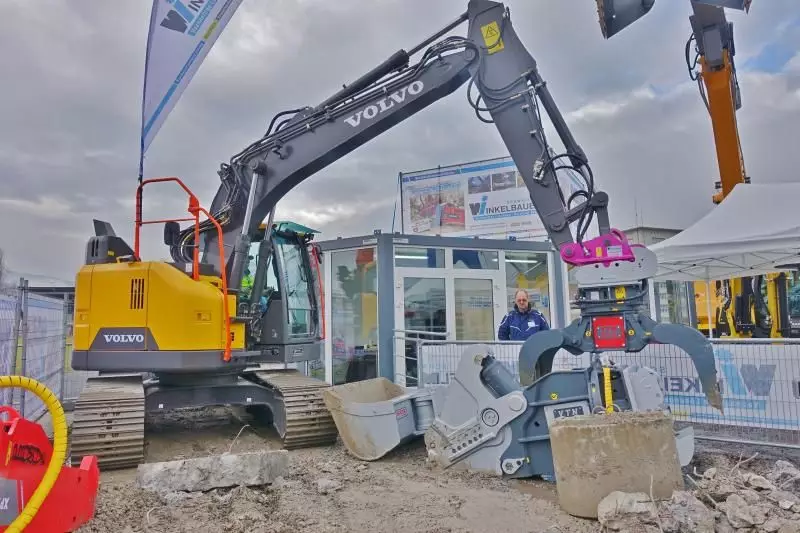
180	313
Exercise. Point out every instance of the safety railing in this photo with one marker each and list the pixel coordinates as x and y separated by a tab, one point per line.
759	379
407	344
194	209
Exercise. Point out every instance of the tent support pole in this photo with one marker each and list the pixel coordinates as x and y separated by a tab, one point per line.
708	309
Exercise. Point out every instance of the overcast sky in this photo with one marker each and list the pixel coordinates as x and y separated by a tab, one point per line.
71	107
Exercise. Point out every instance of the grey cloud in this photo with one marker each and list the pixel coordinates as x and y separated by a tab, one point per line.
71	111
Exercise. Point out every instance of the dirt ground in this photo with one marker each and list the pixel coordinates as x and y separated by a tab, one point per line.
325	491
328	491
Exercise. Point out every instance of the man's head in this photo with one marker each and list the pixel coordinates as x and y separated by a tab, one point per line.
521	299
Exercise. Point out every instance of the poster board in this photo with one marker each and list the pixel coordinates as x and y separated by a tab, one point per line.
486	199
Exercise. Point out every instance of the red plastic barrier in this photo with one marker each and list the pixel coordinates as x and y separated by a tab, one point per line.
25	452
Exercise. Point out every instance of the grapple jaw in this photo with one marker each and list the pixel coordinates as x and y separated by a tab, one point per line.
616	15
635	330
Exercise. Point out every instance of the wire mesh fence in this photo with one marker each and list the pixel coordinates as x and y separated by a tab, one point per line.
35	333
759	380
10	313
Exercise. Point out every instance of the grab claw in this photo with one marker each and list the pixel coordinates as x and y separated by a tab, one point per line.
699	349
538	352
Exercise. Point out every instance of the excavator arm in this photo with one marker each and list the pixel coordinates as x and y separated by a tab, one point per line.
719	87
510	93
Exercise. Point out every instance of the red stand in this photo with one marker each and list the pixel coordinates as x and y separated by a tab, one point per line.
25	452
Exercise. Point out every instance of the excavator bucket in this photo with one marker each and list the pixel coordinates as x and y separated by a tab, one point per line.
616	15
375	416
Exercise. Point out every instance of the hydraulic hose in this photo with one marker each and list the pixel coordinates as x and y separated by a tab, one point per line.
59	447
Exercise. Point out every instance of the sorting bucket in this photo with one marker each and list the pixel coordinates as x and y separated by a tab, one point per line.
375	416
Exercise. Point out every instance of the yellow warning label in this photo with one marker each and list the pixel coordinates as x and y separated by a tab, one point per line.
619	293
492	38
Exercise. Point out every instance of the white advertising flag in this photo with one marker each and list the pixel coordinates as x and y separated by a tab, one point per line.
181	34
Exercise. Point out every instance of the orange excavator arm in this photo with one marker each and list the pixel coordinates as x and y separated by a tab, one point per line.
712	35
714	49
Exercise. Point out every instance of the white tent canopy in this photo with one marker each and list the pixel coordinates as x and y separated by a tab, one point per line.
753	231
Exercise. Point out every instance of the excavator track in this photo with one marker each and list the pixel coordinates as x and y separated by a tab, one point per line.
109	421
109	416
308	422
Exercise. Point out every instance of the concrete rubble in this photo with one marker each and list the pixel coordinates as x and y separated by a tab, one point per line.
718	501
214	472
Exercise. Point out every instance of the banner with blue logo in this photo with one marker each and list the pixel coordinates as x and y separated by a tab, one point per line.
760	384
485	199
182	32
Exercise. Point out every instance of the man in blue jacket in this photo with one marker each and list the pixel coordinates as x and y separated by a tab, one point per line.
522	321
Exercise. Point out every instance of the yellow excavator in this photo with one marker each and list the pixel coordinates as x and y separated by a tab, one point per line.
742	307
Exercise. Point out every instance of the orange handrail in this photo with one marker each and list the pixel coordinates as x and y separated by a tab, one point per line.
195	209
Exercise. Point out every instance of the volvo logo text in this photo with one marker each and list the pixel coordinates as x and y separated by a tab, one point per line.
119	339
385	104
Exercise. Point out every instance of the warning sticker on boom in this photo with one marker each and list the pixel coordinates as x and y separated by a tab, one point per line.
491	37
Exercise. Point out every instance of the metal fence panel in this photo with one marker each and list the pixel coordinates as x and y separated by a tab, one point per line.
35	341
9	338
760	382
43	348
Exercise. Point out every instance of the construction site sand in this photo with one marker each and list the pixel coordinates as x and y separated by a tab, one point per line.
325	491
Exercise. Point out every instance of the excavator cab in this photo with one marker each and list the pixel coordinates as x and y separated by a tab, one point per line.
280	295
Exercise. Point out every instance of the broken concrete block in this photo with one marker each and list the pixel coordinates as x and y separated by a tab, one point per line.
622	511
327	486
785	475
596	455
757	482
219	471
742	515
689	513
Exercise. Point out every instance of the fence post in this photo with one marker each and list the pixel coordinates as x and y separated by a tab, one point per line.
65	322
24	333
420	364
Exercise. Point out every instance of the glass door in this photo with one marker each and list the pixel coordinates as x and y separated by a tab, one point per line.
476	294
476	306
421	308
